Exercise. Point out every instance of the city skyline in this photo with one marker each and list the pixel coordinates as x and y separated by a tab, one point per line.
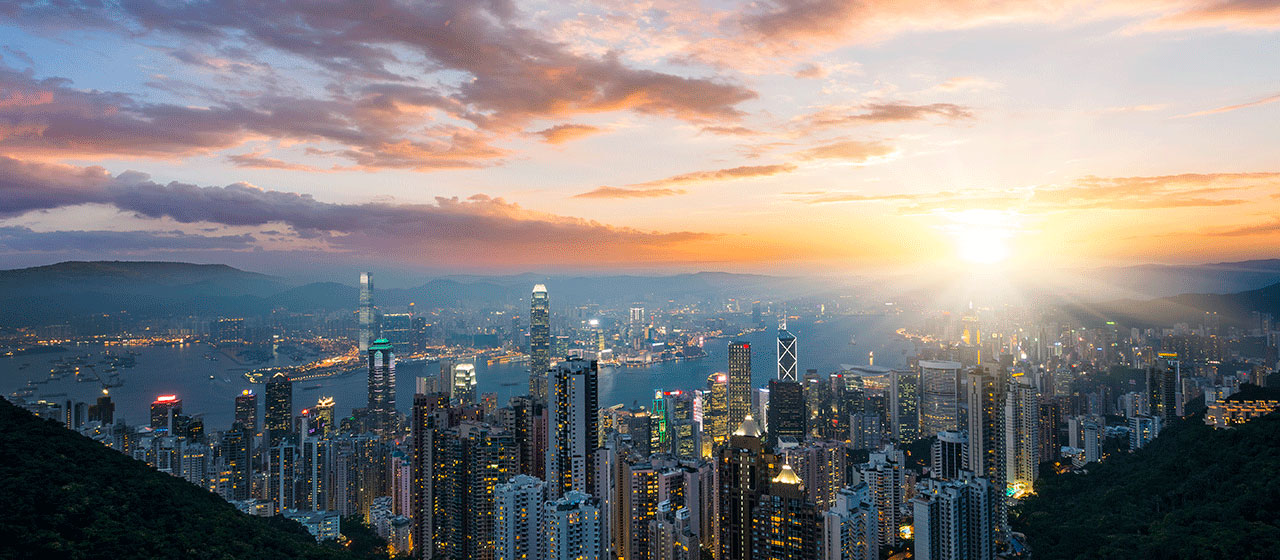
503	137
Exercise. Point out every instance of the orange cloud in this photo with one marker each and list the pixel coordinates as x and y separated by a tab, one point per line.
1263	101
562	133
849	150
618	192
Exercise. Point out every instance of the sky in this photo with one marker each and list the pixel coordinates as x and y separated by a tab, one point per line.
772	136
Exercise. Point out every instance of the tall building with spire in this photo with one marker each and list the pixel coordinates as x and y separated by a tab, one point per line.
786	525
539	342
744	468
787	354
739	388
382	387
365	312
571	435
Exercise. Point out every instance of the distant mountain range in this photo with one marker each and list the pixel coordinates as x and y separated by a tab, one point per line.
59	292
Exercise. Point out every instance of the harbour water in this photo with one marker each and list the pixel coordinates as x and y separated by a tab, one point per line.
207	380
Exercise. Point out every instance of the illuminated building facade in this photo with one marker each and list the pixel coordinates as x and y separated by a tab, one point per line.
247	410
366	319
787	355
382	387
739	387
571	435
165	411
939	397
518	518
786	525
279	413
539	342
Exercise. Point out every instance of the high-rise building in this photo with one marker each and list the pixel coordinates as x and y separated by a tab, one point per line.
397	329
573	529
1021	435
949	455
939	397
786	525
744	468
104	410
165	411
849	527
906	400
382	387
425	429
1050	420
823	465
787	355
519	507
715	413
463	389
469	461
281	476
366	312
1142	429
1164	387
986	399
787	411
237	452
247	410
956	519
539	343
323	417
886	476
739	387
279	416
571	435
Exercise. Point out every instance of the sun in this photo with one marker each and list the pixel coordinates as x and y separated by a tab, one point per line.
982	236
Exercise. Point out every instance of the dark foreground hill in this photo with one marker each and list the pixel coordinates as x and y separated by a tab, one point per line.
65	496
1194	492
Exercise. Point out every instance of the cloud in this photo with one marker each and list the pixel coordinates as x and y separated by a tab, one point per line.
854	151
256	160
968	83
661	187
22	239
811	70
1265	228
1263	101
877	113
741	172
1231	14
1188	190
731	130
562	133
513	73
486	228
618	192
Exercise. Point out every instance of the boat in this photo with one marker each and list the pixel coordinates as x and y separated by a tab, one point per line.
853	340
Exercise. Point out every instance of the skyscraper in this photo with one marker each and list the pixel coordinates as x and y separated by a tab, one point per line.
949	455
1164	387
247	410
237	449
539	342
739	388
886	477
744	469
573	527
164	411
715	412
956	519
519	507
849	528
985	395
470	461
324	419
365	312
571	434
463	389
382	387
1021	435
786	525
279	417
787	410
939	397
787	354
